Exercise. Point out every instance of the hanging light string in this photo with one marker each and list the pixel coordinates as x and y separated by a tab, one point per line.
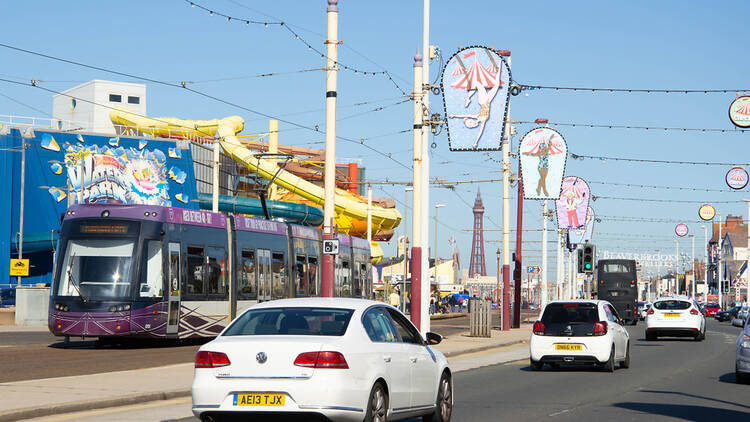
634	185
299	38
524	87
596	197
655	128
646	219
645	160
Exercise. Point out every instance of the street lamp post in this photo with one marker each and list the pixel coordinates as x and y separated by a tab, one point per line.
406	247
705	257
692	261
747	276
676	266
437	207
718	262
499	294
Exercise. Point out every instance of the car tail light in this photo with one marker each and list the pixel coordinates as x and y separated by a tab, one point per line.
211	360
330	360
650	311
539	328
600	328
693	312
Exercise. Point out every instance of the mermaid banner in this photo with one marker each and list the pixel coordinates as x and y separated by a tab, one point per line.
475	86
583	234
573	203
543	154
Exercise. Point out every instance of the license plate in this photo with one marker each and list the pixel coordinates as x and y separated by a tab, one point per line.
671	315
569	347
263	399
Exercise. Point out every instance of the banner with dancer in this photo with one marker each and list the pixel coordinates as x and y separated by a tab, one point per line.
583	234
573	203
475	86
543	155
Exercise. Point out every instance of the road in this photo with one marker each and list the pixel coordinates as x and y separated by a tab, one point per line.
668	380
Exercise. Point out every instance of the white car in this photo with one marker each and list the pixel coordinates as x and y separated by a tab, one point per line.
343	359
675	316
579	332
643	309
742	361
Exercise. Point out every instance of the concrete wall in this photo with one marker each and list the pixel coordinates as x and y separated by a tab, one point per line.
32	304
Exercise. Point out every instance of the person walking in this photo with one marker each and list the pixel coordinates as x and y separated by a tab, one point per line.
460	303
394	299
432	304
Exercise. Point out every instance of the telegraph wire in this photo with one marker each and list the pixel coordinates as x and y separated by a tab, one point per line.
25	105
654	128
635	185
525	87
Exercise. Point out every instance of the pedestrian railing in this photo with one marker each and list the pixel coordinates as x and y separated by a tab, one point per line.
480	321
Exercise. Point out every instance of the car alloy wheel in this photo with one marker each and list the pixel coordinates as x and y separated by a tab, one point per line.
626	362
610	365
377	406
445	399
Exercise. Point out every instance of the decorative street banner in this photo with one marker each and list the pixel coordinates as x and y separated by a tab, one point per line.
706	212
475	85
583	234
573	203
739	112
543	155
736	178
681	230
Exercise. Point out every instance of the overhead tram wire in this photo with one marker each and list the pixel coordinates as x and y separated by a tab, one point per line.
527	87
653	128
185	87
26	105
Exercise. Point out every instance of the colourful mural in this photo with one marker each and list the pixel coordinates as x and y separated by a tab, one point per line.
475	96
543	155
583	234
113	173
573	203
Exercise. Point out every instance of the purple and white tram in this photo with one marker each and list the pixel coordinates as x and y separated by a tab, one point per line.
161	272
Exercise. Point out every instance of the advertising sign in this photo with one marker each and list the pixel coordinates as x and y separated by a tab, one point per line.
543	154
573	203
583	234
681	230
736	178
706	212
19	267
739	112
475	86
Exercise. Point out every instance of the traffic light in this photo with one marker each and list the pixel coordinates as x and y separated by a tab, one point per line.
580	261
588	258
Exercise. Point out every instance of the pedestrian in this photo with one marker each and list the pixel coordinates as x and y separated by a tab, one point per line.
394	299
460	303
452	302
432	304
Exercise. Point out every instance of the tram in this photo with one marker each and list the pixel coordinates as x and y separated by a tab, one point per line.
147	271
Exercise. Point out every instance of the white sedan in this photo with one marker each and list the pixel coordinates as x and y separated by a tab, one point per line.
343	359
675	316
579	332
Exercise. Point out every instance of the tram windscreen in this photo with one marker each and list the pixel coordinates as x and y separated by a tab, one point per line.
97	269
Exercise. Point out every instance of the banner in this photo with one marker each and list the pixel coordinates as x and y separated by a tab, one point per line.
543	154
573	203
583	234
475	86
739	112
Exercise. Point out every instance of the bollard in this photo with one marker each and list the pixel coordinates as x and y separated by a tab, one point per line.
480	317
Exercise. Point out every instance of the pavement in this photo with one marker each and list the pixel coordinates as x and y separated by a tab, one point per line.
53	396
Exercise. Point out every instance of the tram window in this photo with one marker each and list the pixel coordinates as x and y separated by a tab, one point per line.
312	275
152	281
248	282
216	271
195	260
278	277
302	281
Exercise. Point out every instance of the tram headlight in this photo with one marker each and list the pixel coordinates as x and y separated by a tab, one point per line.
113	308
120	308
105	213
127	307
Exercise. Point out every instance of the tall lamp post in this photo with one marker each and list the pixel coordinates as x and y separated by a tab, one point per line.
676	265
437	207
705	257
499	295
406	247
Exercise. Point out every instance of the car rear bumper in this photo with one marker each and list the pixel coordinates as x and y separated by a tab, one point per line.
674	331
571	359
542	349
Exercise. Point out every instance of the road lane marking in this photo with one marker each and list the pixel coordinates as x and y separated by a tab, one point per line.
110	410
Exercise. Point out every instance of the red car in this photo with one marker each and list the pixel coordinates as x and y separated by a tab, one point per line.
711	309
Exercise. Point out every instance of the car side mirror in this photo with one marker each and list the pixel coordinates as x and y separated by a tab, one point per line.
433	338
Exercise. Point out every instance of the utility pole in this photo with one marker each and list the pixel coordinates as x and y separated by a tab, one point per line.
406	247
424	293
543	275
416	227
216	164
499	294
332	42
692	261
705	257
519	240
718	263
747	275
560	283
23	190
677	267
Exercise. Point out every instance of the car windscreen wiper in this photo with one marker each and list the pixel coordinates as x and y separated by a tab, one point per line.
72	280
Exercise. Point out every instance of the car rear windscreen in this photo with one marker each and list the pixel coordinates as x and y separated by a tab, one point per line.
291	321
666	305
570	319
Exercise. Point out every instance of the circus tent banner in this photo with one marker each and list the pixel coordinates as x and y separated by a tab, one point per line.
475	84
736	178
543	154
583	234
739	112
573	203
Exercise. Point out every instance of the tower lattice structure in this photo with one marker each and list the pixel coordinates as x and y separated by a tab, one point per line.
477	264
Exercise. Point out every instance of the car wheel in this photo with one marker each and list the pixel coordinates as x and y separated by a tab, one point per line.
626	362
741	378
554	365
650	336
535	366
610	365
377	405
444	404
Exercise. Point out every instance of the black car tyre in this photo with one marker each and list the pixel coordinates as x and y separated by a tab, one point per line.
444	403
626	362
377	405
535	366
741	378
609	366
650	336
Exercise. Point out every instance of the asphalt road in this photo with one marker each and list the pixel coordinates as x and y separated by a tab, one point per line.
668	380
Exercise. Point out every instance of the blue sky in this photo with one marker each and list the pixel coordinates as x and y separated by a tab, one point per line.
636	44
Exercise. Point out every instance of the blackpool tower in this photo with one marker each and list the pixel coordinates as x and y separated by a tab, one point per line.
477	265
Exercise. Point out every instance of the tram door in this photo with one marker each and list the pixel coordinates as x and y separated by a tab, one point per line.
173	312
264	275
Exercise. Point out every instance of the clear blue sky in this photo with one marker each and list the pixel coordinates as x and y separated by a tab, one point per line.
636	44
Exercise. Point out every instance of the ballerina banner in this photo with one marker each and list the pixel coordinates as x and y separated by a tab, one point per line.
573	203
475	86
543	154
583	234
